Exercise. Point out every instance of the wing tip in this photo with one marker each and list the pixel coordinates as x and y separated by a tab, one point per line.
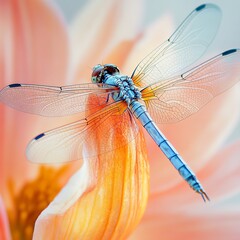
5	89
30	153
199	8
229	51
39	136
14	85
207	5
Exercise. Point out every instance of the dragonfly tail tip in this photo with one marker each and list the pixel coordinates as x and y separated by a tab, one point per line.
204	195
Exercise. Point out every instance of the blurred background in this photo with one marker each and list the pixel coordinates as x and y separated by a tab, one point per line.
227	37
229	32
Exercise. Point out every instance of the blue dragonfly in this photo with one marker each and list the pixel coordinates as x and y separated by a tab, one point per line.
163	88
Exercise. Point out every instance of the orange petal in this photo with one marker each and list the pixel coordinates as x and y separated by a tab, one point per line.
95	33
190	218
106	198
34	44
33	49
4	225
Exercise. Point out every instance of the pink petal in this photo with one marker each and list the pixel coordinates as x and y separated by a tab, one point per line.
34	43
157	33
4	225
33	49
177	213
197	138
95	33
193	141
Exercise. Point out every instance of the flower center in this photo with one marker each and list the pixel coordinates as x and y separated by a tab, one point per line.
32	199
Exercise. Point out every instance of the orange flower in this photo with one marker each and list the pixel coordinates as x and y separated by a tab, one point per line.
107	196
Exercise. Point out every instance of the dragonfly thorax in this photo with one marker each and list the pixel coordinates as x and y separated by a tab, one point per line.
127	90
109	75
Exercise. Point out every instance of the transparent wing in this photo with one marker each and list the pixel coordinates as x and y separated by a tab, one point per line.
107	129
184	47
53	101
178	98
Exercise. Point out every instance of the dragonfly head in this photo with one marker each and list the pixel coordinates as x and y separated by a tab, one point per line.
99	71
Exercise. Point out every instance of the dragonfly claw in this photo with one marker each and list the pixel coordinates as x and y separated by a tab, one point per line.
204	195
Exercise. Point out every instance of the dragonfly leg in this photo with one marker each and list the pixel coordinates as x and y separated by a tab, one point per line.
108	96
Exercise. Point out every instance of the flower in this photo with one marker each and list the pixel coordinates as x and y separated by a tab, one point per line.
108	195
212	117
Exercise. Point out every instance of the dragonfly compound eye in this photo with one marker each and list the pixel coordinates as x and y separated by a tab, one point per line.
97	73
111	69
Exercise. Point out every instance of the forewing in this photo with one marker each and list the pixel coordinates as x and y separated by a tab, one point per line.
51	100
179	97
106	130
184	47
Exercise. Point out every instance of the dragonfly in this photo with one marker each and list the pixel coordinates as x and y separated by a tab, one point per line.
163	88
